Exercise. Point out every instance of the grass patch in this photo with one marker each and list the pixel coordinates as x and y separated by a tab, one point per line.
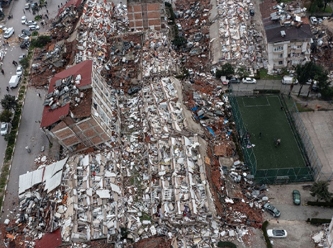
302	108
264	76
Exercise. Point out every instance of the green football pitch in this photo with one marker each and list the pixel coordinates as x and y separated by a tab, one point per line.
263	114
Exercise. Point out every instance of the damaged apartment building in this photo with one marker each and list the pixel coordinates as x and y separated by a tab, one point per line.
168	152
288	36
77	111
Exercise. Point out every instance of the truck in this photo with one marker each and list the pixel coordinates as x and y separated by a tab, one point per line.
14	81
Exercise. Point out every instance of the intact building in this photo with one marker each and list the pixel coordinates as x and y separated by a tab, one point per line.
78	109
288	43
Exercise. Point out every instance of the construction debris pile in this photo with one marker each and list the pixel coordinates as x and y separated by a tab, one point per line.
241	43
63	25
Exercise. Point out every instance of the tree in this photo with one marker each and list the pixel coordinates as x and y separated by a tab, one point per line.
9	102
41	41
227	70
320	190
310	71
6	116
242	72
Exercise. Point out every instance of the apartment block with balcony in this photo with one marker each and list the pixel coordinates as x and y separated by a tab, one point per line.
287	46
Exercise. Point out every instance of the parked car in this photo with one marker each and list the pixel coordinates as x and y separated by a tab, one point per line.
19	70
313	20
27	6
234	81
276	233
26	32
289	80
9	32
251	12
296	197
4	128
272	210
33	27
21	57
23	19
29	23
25	44
249	80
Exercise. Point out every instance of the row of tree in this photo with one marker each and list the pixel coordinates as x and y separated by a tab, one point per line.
311	72
8	104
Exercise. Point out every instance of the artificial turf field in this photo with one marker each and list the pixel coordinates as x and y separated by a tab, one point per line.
263	114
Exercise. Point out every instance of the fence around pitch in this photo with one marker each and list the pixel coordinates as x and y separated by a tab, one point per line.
313	169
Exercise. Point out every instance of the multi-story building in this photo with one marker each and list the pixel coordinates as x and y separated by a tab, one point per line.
80	112
287	46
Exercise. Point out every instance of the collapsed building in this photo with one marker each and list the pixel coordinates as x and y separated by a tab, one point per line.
155	172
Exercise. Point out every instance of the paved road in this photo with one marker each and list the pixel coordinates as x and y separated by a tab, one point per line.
29	131
270	84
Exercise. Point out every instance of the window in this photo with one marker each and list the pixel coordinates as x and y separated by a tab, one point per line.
299	46
278	48
95	105
281	55
280	62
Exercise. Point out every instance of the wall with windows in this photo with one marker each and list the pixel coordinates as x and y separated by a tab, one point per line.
105	105
288	54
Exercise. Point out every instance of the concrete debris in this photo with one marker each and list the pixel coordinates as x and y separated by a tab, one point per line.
157	174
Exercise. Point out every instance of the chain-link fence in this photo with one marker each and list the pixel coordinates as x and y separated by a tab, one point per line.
313	168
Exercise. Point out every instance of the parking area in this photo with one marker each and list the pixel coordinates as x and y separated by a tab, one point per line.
293	218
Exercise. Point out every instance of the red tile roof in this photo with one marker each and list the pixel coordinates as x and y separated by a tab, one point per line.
52	116
50	240
85	70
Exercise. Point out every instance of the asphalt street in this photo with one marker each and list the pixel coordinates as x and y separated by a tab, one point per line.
30	133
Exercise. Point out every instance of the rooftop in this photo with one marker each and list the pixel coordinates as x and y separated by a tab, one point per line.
273	32
68	90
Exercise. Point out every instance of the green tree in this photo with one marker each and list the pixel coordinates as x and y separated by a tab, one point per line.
41	41
310	71
227	70
320	190
9	102
242	72
6	116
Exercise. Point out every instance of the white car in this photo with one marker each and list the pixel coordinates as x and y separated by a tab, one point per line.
33	27
8	33
19	70
27	6
23	19
249	80
29	23
4	128
276	233
313	20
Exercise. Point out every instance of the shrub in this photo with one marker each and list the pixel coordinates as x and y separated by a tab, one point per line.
316	221
226	244
320	204
41	41
264	229
25	62
6	115
38	18
34	33
9	152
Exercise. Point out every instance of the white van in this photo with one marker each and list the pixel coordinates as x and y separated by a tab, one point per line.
289	80
14	81
9	32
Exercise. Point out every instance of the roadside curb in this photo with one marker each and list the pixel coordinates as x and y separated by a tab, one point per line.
13	152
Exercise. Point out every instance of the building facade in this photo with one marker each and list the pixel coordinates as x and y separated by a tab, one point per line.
76	111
